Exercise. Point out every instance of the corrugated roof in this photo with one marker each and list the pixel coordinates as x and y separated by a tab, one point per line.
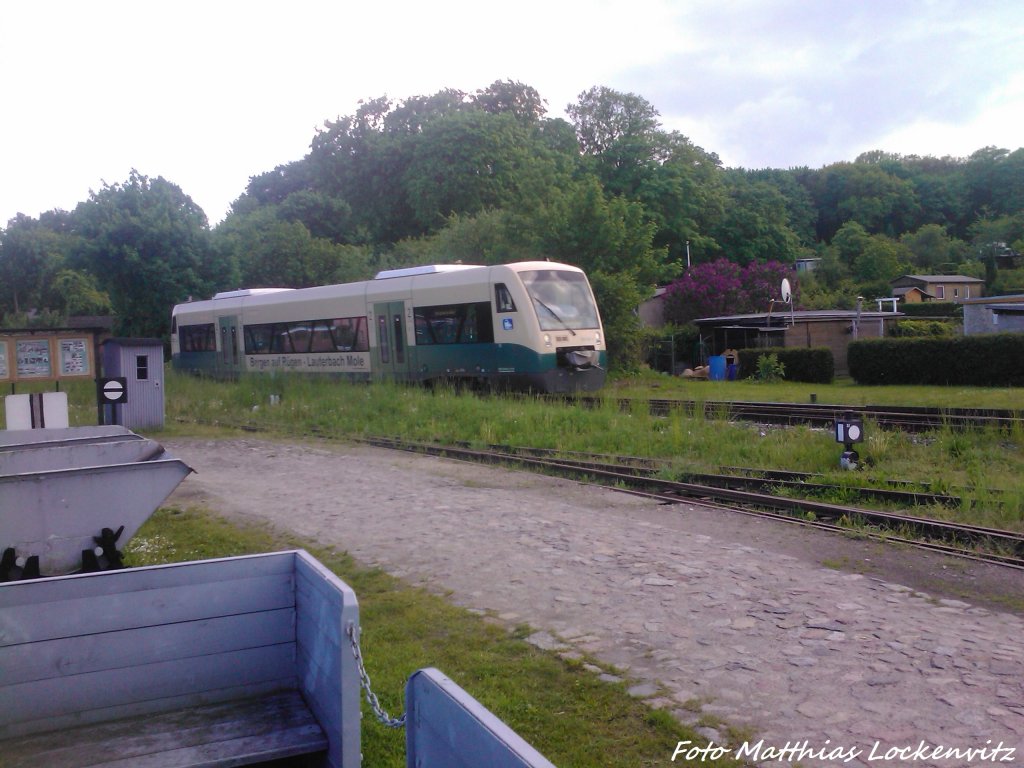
940	278
806	315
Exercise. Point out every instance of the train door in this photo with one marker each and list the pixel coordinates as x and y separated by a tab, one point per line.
392	357
229	358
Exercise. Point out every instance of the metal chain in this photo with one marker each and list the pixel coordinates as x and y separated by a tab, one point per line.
364	681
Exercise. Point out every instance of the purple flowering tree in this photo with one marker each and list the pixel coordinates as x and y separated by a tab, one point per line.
722	287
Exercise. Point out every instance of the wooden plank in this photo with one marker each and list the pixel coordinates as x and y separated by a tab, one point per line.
125	649
148	707
58	697
76	616
327	672
446	726
236	733
86	585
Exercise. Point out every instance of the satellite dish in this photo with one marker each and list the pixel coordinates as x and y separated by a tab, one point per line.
787	292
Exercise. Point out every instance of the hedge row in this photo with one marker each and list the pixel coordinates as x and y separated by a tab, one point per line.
932	309
990	360
813	365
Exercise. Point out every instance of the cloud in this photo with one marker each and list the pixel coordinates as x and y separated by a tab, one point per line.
209	94
794	83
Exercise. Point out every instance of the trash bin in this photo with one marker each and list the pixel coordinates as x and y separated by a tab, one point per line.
716	368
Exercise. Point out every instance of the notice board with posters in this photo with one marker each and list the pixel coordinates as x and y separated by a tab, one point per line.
46	356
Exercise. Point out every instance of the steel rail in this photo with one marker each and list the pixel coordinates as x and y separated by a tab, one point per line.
909	418
802	482
674	491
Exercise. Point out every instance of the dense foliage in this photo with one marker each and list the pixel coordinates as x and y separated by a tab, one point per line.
989	360
488	177
814	365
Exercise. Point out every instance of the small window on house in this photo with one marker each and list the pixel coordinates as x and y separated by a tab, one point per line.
142	367
956	293
940	291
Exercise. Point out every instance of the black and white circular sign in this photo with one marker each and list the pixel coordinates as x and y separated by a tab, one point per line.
114	390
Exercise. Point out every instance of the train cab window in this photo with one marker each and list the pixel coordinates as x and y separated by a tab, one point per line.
399	347
503	301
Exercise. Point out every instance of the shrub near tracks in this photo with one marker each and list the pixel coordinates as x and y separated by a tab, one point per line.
991	360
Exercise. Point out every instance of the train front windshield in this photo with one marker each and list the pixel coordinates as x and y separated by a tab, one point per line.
561	299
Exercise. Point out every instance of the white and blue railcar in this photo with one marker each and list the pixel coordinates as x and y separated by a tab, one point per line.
529	325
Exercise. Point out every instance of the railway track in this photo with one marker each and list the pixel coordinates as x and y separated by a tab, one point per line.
639	476
907	418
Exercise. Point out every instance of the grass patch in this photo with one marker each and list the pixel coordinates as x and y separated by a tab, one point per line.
573	718
979	459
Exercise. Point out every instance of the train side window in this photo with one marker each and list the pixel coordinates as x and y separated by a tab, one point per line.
234	345
350	334
399	348
197	338
301	335
503	300
258	338
322	340
476	325
382	327
454	324
224	342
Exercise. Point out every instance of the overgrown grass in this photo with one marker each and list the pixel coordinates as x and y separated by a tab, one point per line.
843	391
949	460
573	718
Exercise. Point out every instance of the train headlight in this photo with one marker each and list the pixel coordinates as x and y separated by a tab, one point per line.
547	340
597	338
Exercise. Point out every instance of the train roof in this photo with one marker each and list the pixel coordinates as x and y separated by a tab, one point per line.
272	296
243	292
428	269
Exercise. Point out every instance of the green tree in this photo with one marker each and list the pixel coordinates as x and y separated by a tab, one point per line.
272	252
995	178
467	162
148	245
882	260
79	294
754	226
933	251
607	120
865	193
511	98
31	254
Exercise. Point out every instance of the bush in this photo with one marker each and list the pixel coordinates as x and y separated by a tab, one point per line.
923	328
989	360
769	368
813	365
932	309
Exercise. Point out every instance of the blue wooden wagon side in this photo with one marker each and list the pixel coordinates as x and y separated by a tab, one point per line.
212	663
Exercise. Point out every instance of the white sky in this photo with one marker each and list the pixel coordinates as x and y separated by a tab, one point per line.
208	94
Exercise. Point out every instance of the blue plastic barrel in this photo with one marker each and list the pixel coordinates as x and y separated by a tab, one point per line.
716	368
